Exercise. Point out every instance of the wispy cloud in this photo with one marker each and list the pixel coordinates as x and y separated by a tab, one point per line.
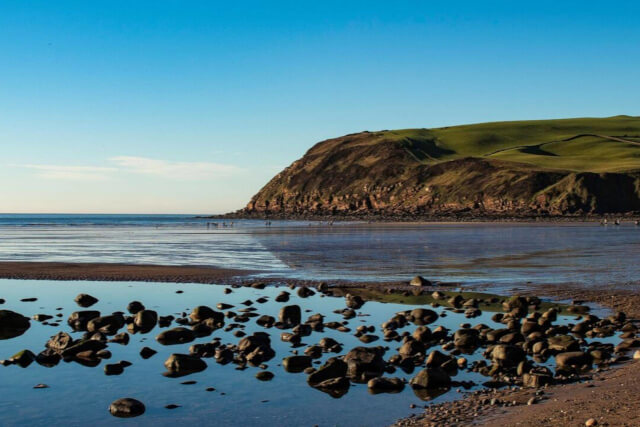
174	170
72	173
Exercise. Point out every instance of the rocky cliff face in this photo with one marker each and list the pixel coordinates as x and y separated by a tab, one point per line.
361	175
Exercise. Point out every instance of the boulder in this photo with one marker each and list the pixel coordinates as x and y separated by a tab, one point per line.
507	355
184	364
203	312
573	359
419	281
145	320
423	316
333	368
364	363
12	324
466	338
562	344
126	408
536	380
354	301
59	342
296	364
85	300
174	336
385	385
290	315
23	358
108	325
264	376
431	378
134	307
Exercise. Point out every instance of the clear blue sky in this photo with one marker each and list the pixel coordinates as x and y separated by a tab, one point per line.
190	107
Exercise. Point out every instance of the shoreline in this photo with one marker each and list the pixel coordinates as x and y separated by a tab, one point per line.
596	396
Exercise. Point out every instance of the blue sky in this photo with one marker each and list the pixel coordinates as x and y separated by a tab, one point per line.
190	107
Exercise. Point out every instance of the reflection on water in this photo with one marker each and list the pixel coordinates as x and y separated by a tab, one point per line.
469	253
80	395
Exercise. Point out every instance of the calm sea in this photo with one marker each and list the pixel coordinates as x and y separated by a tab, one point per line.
500	254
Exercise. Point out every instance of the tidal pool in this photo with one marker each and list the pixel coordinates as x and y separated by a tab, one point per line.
80	395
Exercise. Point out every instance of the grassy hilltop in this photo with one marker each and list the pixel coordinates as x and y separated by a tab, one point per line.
541	167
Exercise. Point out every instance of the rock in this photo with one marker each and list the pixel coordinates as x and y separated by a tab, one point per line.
296	363
466	338
12	324
419	281
59	342
37	386
536	380
563	343
304	292
385	385
364	363
174	336
282	297
266	321
23	358
333	368
108	325
636	355
431	378
103	354
113	369
264	376
336	387
422	334
591	422
330	345
48	358
145	320
411	347
354	301
203	312
290	315
85	300
423	316
575	359
79	319
126	408
135	307
42	317
507	355
83	346
184	364
437	295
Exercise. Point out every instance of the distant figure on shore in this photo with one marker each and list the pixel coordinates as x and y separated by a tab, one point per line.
617	222
604	222
267	223
636	223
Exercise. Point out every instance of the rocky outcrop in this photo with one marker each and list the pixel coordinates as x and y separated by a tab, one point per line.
370	175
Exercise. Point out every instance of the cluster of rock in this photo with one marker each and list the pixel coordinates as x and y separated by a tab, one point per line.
513	354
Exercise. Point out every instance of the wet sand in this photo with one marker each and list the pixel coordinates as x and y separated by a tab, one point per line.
117	272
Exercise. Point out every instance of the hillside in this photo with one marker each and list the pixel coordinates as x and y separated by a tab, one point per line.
524	168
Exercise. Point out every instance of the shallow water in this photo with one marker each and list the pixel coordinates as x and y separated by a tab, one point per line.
80	395
501	254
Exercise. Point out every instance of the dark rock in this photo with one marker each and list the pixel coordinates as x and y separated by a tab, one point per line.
85	300
121	338
364	363
135	307
145	320
466	338
304	292
419	281
174	336
48	358
333	368
290	315
354	301
108	325
423	316
203	312
23	358
184	364
385	385
431	378
59	342
574	359
264	376
113	369
296	363
12	324
126	408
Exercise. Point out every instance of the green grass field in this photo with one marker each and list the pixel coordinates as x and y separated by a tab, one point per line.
585	144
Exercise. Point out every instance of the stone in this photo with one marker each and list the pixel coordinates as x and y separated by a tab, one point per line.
333	368
431	378
174	336
108	325
364	363
113	369
145	320
563	343
266	321
59	342
536	380
466	338
354	301
12	324
507	355
423	316
385	385
23	358
135	307
126	408
264	376
575	359
121	338
83	346
419	281
304	292
85	300
296	364
184	364
290	315
78	320
203	312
